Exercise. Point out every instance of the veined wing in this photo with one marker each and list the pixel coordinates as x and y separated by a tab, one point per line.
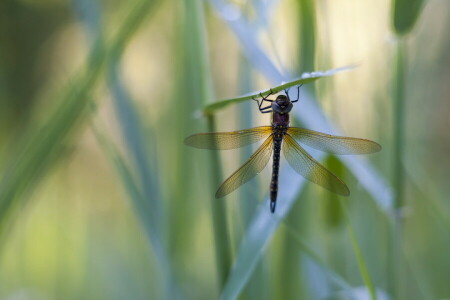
308	167
254	165
333	144
228	140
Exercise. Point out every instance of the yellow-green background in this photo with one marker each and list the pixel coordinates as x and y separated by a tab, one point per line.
100	199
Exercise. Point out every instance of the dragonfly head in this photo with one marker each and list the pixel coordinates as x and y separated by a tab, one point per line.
282	104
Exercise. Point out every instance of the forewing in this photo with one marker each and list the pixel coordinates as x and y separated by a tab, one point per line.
254	165
308	167
333	144
228	140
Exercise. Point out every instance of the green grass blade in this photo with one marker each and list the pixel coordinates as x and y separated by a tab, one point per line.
304	78
42	146
306	249
132	132
360	259
138	13
127	115
362	265
142	208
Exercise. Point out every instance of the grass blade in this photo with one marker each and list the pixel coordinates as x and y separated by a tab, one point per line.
304	78
306	249
360	259
45	144
142	209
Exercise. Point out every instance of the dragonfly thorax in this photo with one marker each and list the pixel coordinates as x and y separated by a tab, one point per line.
282	105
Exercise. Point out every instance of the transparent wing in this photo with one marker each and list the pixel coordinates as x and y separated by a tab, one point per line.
254	165
333	144
228	140
308	167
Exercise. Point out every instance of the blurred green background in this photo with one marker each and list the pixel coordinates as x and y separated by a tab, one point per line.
100	199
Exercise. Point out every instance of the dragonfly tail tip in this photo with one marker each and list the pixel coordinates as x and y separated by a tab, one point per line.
272	206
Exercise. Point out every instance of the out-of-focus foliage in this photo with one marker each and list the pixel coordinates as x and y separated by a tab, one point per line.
100	199
406	13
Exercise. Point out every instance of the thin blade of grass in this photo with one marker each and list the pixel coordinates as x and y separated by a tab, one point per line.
89	14
362	265
132	132
142	209
42	147
304	78
307	250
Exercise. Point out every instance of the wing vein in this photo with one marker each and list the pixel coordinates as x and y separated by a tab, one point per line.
333	144
253	166
305	165
228	140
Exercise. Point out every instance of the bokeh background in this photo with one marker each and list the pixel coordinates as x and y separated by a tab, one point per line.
100	199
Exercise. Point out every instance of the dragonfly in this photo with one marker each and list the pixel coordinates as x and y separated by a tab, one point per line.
280	137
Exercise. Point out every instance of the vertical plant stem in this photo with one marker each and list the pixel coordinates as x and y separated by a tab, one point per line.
219	219
399	114
398	172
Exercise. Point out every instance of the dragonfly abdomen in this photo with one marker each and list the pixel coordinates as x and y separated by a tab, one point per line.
277	141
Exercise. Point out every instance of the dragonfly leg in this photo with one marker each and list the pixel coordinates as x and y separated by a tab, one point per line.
298	93
265	98
263	109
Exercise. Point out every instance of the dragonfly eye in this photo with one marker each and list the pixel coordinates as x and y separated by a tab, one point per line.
281	106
